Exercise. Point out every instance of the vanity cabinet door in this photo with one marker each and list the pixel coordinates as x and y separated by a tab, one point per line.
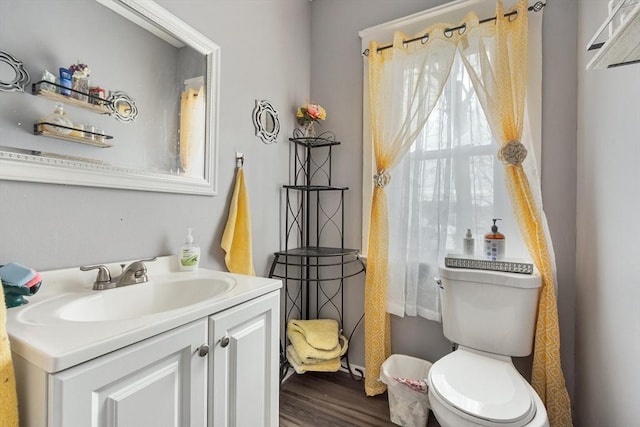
244	380
159	382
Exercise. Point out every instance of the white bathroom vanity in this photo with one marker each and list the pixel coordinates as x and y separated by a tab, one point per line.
185	349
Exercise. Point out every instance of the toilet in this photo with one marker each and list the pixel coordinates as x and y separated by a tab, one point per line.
490	315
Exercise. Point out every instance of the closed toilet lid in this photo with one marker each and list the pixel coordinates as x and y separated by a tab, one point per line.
483	387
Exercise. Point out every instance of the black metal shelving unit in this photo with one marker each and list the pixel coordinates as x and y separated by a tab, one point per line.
314	268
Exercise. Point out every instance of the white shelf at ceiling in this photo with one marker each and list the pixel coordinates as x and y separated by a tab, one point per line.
617	41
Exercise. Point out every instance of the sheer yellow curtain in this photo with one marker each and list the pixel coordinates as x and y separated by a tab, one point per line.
191	131
496	59
405	84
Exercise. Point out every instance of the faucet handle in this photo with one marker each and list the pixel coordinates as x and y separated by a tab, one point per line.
104	276
149	259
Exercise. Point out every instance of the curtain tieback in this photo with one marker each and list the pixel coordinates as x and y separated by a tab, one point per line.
382	178
512	153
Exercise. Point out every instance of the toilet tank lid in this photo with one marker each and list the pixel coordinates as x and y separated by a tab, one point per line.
514	280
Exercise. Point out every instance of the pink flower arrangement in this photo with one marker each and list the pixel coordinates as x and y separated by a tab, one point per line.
310	113
79	70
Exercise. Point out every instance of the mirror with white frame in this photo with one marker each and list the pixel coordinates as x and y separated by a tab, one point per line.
163	78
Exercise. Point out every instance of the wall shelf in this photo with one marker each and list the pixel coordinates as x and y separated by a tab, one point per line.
617	40
39	89
74	136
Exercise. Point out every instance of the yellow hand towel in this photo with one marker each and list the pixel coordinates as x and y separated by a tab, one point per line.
319	333
236	239
332	365
309	354
8	397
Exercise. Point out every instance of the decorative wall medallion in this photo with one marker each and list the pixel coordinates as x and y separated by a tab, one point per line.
266	122
13	75
122	107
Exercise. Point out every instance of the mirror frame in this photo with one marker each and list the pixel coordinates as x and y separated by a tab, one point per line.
262	108
20	77
36	168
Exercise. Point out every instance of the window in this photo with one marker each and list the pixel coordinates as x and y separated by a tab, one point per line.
449	181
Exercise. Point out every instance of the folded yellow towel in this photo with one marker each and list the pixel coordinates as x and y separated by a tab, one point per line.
236	239
332	365
309	354
8	397
319	333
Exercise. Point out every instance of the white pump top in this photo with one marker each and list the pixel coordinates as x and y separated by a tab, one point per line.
189	235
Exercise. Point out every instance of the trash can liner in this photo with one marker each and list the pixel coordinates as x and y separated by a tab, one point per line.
420	386
405	377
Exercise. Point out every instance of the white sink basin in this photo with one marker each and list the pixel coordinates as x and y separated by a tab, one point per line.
143	299
127	302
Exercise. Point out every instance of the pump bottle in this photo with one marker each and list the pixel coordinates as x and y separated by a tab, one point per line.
189	256
494	243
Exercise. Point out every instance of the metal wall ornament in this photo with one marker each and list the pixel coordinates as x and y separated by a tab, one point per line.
266	122
122	107
13	76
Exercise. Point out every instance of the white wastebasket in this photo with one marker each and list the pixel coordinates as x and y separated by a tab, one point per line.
407	407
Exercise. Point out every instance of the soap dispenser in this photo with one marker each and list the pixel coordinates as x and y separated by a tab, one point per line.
189	256
494	243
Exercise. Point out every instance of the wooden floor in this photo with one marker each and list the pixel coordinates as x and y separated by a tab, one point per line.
333	399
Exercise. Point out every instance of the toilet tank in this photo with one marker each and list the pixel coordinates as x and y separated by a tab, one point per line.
490	311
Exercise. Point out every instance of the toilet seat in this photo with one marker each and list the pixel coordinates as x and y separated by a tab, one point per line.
482	388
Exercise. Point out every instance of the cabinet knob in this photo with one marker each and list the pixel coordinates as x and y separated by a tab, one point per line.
224	341
203	350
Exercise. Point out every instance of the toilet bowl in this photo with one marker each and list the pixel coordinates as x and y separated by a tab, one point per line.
490	315
468	388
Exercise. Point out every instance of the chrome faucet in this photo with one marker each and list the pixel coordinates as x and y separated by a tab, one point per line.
135	273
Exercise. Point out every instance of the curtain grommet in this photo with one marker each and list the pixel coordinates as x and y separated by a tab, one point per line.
512	153
382	179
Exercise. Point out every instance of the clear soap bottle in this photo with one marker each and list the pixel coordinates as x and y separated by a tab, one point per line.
189	256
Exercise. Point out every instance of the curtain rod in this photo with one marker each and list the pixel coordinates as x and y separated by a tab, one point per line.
536	7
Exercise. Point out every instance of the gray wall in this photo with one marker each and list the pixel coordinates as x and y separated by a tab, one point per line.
286	51
608	275
336	83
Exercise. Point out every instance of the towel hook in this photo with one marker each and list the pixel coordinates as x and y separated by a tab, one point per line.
239	159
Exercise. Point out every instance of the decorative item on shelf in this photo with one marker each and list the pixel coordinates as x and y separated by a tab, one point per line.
65	81
97	95
307	116
80	76
15	77
507	265
48	82
58	122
